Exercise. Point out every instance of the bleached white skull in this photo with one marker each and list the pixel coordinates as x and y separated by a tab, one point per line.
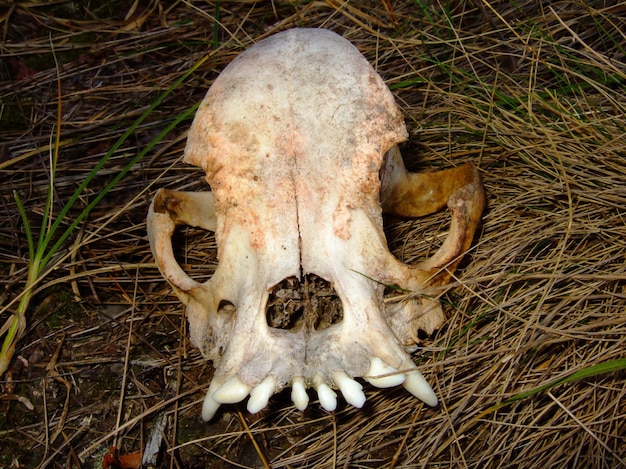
298	137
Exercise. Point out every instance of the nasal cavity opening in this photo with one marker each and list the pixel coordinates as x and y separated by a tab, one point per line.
311	303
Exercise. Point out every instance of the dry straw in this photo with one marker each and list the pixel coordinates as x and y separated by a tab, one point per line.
530	364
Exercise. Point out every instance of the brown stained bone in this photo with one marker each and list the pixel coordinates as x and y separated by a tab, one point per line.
187	208
416	195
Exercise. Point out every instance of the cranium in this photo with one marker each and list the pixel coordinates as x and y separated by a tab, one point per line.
297	138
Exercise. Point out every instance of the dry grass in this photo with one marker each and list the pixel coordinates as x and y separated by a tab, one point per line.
533	94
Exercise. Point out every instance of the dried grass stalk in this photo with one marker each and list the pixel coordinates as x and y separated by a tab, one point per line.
530	366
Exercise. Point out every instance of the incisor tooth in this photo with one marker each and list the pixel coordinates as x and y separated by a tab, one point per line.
327	397
210	405
378	368
299	395
231	392
351	390
417	385
260	394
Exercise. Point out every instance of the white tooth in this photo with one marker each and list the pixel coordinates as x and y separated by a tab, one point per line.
299	395
209	406
351	390
327	397
419	387
378	368
260	394
231	392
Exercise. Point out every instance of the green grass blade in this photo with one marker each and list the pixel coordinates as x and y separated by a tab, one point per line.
75	196
54	157
588	372
114	182
38	256
27	228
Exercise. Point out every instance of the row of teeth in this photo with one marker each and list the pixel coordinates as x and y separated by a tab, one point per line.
380	375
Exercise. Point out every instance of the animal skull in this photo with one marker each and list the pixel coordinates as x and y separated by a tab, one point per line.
298	137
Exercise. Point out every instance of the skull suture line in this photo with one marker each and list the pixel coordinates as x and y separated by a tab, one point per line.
298	137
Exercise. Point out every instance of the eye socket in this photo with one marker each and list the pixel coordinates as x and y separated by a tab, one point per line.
311	303
226	307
